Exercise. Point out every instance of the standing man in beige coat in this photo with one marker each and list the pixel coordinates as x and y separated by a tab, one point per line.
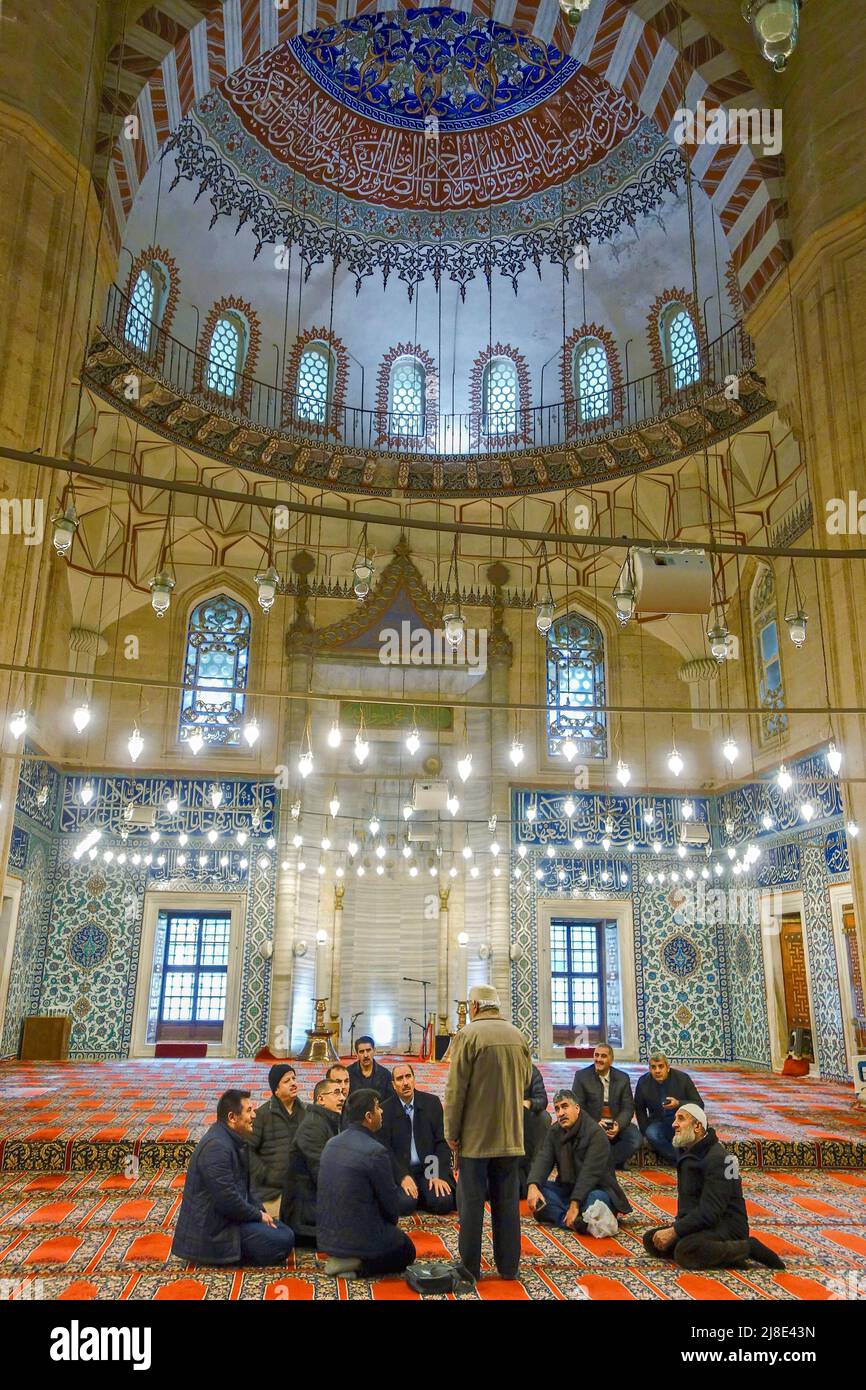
490	1070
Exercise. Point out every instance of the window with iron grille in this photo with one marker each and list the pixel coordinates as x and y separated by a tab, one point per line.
576	683
406	397
194	973
225	356
216	670
315	378
501	396
577	979
680	346
592	379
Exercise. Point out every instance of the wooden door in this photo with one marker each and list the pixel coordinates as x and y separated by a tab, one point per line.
794	975
857	1003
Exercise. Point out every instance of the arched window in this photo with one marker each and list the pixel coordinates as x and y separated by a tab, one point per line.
225	357
217	659
591	379
768	658
407	397
575	683
315	383
679	343
500	393
146	303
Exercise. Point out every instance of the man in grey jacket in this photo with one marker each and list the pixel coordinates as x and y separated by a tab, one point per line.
579	1151
489	1073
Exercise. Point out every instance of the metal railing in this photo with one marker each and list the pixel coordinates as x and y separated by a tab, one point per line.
268	407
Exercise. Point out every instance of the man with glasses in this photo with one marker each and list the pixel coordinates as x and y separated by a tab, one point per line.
319	1123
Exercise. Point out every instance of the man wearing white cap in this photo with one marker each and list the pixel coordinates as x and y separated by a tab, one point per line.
490	1069
711	1230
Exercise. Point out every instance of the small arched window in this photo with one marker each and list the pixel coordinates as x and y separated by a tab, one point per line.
315	383
591	379
768	657
679	343
146	303
500	394
407	385
576	686
225	354
215	671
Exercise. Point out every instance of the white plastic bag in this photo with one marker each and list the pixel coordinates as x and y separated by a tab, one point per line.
600	1220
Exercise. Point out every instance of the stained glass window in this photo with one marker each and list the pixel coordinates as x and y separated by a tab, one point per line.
768	658
315	377
406	392
225	355
217	658
575	682
577	979
501	395
591	379
680	346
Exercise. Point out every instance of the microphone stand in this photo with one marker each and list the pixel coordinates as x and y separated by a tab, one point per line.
423	1027
411	980
355	1018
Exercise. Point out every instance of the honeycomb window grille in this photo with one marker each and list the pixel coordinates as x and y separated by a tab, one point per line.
225	356
592	380
768	657
406	397
215	673
576	686
315	383
680	346
142	311
501	397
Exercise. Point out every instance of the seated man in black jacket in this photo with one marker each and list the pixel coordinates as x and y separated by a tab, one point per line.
579	1151
413	1130
220	1222
369	1073
711	1230
319	1123
657	1097
605	1093
536	1121
359	1201
273	1128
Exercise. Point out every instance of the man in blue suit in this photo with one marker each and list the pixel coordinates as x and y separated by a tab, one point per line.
358	1201
220	1222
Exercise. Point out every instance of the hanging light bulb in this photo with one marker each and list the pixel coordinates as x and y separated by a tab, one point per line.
298	840
569	806
335	737
687	809
160	593
135	744
767	821
775	25
516	752
413	740
796	623
578	842
296	808
718	640
531	811
852	829
730	751
251	731
305	763
216	796
87	793
657	846
834	758
362	573
374	824
408	811
195	743
362	747
623	773
267	584
675	762
569	750
326	843
624	595
334	803
784	778
352	848
464	766
544	612
494	848
455	626
171	805
521	850
65	525
81	717
467	850
212	835
18	723
649	815
453	803
606	843
807	810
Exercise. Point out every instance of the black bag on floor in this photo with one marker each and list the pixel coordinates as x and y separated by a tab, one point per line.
439	1276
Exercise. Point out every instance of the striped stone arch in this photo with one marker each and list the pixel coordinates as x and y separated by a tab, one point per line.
170	64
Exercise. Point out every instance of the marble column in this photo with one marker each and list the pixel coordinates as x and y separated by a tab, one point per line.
336	960
442	999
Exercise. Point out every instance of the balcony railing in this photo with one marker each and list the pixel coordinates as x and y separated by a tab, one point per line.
269	408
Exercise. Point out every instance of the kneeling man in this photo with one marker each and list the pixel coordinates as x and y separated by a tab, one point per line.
580	1151
657	1098
319	1123
711	1230
220	1222
413	1130
358	1202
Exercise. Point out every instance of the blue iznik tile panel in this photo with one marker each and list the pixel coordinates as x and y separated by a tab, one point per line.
29	935
38	792
829	1041
246	805
592	810
739	812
